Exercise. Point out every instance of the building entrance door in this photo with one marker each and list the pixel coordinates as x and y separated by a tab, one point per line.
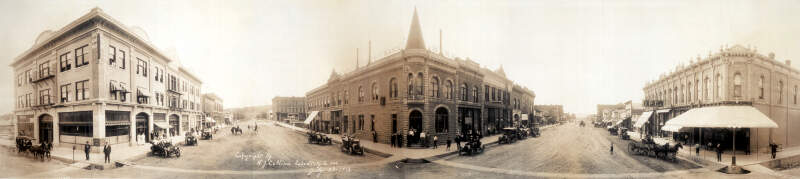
142	127
46	128
415	123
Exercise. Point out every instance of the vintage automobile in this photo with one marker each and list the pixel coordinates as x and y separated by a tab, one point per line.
583	124
165	149
190	139
535	132
206	135
472	146
318	138
623	134
524	132
352	146
510	135
612	130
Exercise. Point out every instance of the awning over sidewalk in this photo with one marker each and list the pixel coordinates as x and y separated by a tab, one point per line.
643	119
663	111
723	117
671	128
311	117
162	125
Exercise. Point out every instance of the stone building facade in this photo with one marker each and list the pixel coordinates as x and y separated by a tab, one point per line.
286	108
734	75
415	89
213	108
97	80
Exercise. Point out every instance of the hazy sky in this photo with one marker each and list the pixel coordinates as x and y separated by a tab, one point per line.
575	53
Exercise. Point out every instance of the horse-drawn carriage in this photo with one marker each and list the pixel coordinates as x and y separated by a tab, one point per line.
649	148
472	146
206	135
236	130
352	145
510	135
613	130
165	149
190	139
25	145
318	138
583	124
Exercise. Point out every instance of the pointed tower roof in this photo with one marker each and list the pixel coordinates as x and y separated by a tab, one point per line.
415	40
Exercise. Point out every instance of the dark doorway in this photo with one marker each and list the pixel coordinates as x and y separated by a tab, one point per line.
415	123
174	125
394	123
142	126
46	128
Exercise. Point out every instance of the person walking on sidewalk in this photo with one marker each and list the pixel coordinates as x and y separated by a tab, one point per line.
773	149
86	149
448	145
697	150
393	139
435	141
374	137
107	152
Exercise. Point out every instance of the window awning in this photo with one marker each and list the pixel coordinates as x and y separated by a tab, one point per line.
642	119
143	93
311	117
618	122
671	128
162	125
723	117
663	111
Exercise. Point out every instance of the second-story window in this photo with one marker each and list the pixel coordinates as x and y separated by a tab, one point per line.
64	61
44	97
393	88
80	90
65	93
141	67
435	87
463	90
475	94
80	56
44	69
375	91
761	87
737	85
122	59
360	94
112	55
780	92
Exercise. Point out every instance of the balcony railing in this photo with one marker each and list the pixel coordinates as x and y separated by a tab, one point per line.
415	98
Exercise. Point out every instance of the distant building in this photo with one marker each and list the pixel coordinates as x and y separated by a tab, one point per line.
213	109
551	113
289	108
99	81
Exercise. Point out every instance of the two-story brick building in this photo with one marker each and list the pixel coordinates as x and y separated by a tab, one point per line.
97	80
415	89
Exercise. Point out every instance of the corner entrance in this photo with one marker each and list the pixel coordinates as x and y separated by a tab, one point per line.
415	124
46	128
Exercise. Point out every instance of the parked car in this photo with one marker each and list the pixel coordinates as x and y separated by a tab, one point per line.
510	135
190	139
352	145
165	149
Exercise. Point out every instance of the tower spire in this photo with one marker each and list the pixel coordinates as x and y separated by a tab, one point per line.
415	40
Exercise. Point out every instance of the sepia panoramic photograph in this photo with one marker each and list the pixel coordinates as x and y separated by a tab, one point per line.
399	89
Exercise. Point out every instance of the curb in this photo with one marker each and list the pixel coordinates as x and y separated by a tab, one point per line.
366	149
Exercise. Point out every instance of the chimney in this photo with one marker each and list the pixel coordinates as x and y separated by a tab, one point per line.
789	63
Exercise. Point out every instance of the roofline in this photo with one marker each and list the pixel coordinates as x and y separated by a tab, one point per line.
212	95
189	74
95	13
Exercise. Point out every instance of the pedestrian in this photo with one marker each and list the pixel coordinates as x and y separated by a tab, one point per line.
393	139
435	141
612	148
697	150
424	139
410	134
399	141
86	149
107	152
773	149
448	145
374	137
458	142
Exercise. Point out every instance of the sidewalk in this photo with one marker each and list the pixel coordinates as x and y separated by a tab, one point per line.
762	156
386	150
119	152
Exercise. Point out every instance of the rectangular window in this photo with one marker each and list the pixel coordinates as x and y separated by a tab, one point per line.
122	59
80	56
80	90
28	100
64	60
44	97
141	67
65	93
44	69
112	55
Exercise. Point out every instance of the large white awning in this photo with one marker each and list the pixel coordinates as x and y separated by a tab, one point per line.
723	117
663	111
671	128
642	119
311	117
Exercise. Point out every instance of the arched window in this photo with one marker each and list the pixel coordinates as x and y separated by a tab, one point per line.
697	90
410	84
682	94
689	92
360	94
761	87
795	94
737	85
463	91
418	84
475	93
441	120
393	88
780	91
718	81
435	87
346	96
375	91
707	87
448	89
